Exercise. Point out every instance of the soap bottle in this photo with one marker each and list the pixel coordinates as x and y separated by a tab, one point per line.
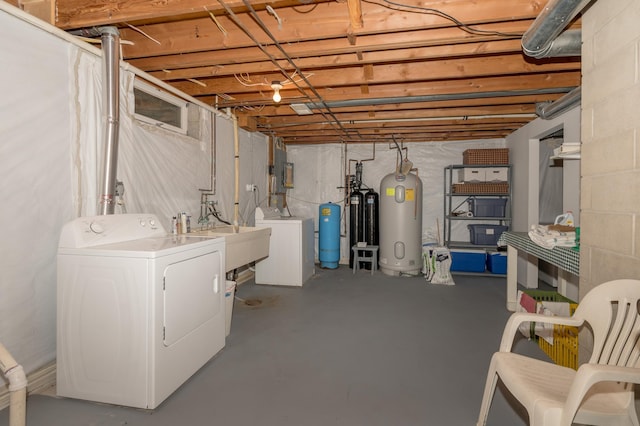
183	220
174	225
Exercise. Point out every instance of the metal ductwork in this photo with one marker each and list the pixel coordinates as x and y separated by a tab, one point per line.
549	110
431	98
111	94
543	38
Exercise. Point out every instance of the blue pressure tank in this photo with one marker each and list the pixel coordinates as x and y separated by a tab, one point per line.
329	235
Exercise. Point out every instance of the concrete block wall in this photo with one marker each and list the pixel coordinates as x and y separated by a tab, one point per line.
610	182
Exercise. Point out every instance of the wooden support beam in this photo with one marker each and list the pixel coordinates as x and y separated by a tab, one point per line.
43	9
355	14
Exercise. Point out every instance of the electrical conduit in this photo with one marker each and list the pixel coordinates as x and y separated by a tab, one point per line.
17	387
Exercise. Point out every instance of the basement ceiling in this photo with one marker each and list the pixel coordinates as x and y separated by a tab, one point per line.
362	70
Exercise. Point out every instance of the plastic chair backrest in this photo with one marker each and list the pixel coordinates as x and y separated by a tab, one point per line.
611	310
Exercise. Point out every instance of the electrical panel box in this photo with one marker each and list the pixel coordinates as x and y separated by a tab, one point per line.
279	160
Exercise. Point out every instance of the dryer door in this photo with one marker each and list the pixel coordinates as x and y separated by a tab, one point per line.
192	295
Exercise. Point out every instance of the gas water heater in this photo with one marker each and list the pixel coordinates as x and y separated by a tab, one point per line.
400	224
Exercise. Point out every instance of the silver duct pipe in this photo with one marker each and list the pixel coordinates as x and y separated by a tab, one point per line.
87	32
549	110
111	89
569	43
433	98
542	39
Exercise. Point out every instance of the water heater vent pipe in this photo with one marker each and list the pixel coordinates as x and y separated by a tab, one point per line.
111	89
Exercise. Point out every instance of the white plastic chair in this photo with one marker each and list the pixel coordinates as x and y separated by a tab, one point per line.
601	391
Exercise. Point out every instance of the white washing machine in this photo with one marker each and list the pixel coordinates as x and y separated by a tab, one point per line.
139	311
291	259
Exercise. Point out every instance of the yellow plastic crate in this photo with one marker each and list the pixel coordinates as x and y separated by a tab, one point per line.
564	350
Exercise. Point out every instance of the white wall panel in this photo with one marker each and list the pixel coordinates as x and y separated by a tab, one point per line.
36	178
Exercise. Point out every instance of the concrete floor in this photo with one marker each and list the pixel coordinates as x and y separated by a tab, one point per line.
344	350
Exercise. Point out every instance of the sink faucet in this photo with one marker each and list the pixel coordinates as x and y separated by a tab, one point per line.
208	208
203	220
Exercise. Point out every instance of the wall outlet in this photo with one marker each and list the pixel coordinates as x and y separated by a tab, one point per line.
250	187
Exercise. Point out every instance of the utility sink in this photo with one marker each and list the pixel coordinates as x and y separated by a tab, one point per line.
246	245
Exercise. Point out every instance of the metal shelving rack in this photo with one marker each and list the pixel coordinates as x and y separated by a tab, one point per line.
454	200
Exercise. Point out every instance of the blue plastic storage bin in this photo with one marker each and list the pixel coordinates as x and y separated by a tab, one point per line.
488	207
468	260
497	263
486	235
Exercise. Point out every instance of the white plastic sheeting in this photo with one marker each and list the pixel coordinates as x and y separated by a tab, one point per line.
35	189
253	170
322	167
51	155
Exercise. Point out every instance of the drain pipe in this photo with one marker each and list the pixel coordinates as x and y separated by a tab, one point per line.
17	387
543	39
111	89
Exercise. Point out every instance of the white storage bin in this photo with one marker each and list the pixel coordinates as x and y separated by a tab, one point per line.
496	174
471	174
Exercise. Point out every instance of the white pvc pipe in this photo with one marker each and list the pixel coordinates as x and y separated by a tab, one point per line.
17	387
236	149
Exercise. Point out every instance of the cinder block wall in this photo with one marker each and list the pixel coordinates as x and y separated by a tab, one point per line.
610	182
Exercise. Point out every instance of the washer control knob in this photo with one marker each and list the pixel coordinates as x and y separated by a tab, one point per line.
142	223
152	223
96	228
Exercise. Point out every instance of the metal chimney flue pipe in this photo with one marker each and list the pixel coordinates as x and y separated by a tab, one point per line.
111	102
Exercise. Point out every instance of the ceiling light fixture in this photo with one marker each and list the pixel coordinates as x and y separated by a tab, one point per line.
276	86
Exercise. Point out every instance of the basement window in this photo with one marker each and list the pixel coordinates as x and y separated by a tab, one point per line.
159	108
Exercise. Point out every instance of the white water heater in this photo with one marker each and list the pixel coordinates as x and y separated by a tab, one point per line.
401	224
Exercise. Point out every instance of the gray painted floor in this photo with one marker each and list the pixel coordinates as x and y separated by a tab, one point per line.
344	350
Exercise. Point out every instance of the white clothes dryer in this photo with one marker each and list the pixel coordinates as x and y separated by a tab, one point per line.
291	260
139	311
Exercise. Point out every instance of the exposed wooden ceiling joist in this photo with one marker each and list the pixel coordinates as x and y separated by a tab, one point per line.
226	53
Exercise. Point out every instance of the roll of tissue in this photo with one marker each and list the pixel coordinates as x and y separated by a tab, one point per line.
469	214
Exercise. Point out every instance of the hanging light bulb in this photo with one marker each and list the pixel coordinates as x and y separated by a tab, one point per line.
276	86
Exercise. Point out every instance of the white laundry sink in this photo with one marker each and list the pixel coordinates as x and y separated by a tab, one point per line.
246	245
